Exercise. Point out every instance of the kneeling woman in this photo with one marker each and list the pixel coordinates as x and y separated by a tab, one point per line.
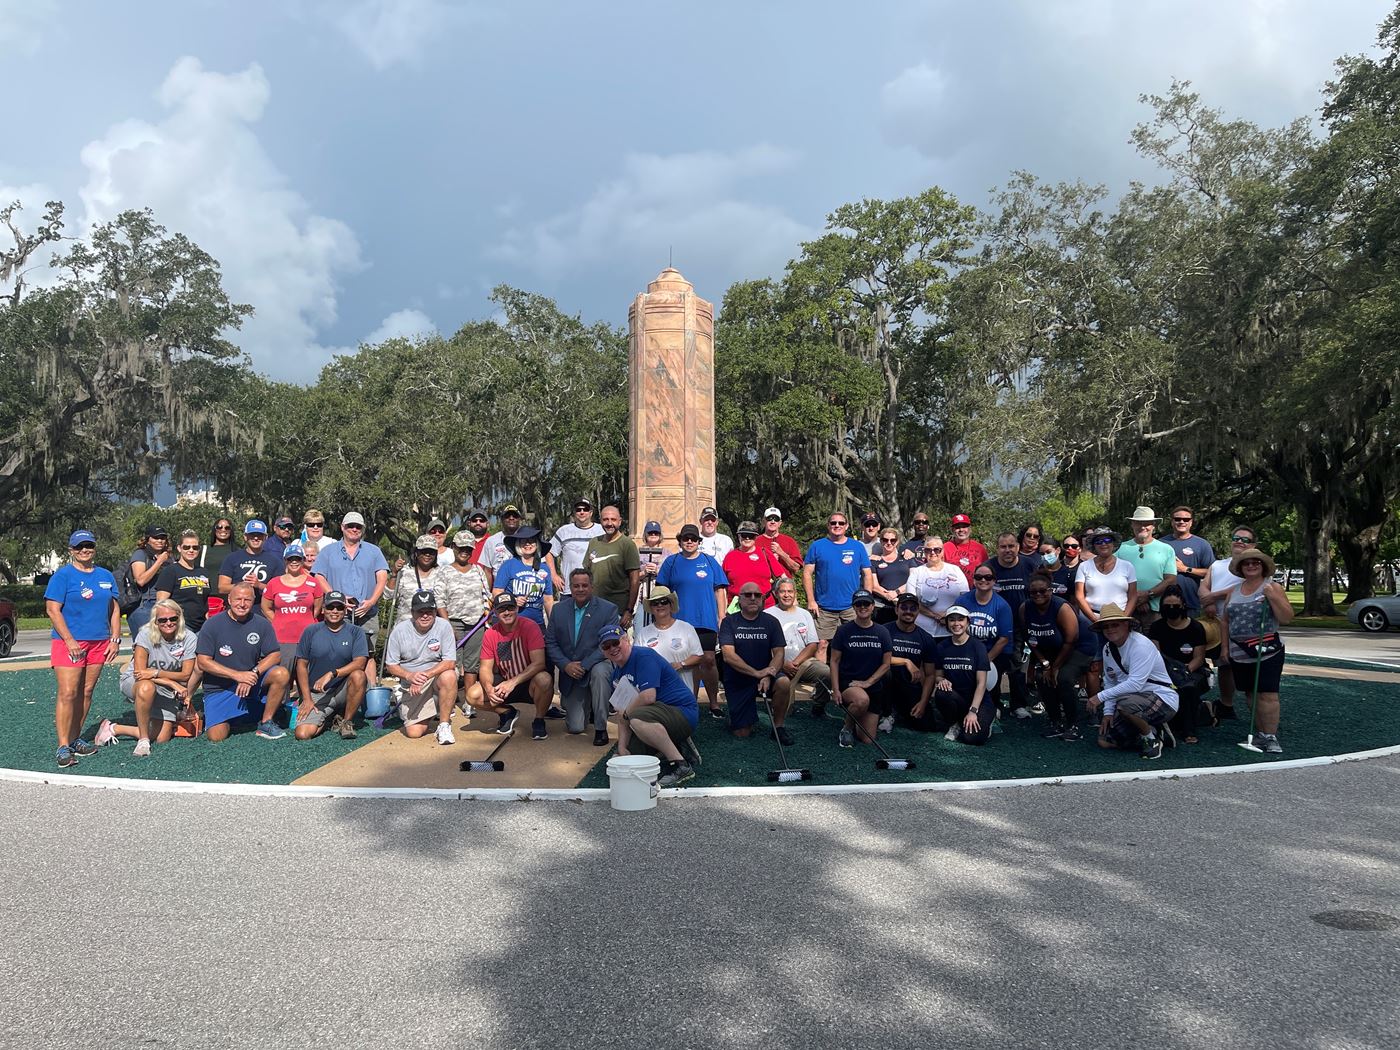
1062	646
157	679
960	688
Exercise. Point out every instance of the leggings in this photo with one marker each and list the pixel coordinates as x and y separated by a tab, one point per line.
953	708
1062	699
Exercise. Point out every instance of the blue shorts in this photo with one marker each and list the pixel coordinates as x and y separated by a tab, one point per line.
225	705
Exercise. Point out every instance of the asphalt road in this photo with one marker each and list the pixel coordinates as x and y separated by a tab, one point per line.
1153	914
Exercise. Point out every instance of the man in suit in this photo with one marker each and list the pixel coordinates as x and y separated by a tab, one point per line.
571	640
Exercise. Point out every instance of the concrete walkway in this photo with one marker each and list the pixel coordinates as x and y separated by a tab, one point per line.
1165	914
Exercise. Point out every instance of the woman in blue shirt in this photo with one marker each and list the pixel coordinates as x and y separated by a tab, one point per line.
1062	645
989	620
525	575
81	603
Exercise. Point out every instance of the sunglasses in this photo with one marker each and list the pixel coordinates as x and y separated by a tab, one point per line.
920	521
86	547
907	604
690	539
478	517
337	605
659	602
1241	539
933	550
283	525
1173	610
167	619
1104	542
1181	519
862	605
581	507
223	528
983	579
772	517
314	524
1032	536
889	539
1071	546
356	527
289	558
834	521
609	645
1038	592
750	594
440	532
189	546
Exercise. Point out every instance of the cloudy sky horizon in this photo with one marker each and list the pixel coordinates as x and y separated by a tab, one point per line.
371	168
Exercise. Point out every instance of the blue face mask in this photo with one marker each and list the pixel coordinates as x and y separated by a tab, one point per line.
1049	557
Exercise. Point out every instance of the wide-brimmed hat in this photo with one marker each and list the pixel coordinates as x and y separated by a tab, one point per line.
1211	626
520	535
1111	613
1144	514
1246	555
662	594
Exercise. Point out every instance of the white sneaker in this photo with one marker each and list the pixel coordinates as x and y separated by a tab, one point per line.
444	733
887	724
952	734
142	749
105	734
1021	712
468	712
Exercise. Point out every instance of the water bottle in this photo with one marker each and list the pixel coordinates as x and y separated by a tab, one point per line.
291	715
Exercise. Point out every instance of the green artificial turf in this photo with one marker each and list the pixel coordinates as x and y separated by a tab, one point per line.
27	741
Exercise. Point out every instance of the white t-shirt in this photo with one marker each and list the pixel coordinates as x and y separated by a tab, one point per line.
570	543
937	589
1222	579
716	546
675	644
1104	588
496	551
799	629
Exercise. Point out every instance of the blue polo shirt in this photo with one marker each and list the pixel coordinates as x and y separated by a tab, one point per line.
647	669
86	598
352	577
694	580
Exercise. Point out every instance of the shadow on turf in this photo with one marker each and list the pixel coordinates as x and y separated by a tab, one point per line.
888	920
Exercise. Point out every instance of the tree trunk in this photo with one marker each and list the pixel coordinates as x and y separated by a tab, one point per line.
1363	517
1320	524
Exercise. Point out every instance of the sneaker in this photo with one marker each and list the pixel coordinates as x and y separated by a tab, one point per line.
1022	712
782	736
1053	732
555	711
845	738
142	749
444	733
1168	738
105	734
717	713
346	729
1071	734
1037	708
270	730
1269	742
691	751
600	738
66	758
952	734
468	712
539	731
676	774
886	725
507	726
82	748
1151	747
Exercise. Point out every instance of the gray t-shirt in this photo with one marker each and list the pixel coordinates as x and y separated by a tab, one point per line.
163	655
415	651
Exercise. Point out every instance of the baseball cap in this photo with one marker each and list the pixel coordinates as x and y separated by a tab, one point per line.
156	532
773	512
436	523
464	539
424	543
862	595
81	536
510	508
476	512
651	526
284	522
961	519
747	528
870	519
709	512
611	633
956	610
293	550
503	601
353	518
424	600
255	528
688	532
583	502
334	598
906	596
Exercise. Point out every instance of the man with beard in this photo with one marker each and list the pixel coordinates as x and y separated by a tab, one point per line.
616	565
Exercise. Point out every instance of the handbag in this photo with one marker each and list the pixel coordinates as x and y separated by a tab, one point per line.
1185	679
188	721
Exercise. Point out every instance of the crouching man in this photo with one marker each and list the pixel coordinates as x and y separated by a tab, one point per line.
1138	696
330	662
240	659
422	652
657	711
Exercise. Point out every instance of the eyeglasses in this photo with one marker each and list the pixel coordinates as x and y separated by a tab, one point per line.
1071	546
610	645
167	619
1241	539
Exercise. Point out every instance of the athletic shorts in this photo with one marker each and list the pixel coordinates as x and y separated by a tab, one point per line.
468	653
289	658
225	705
708	640
673	718
327	704
1270	674
521	695
94	654
880	702
830	619
1151	708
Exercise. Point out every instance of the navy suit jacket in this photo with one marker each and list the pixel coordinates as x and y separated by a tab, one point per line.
563	647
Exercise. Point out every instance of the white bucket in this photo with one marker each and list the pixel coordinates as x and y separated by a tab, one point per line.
633	781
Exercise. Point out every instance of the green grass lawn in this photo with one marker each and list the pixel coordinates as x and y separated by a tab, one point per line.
1338	622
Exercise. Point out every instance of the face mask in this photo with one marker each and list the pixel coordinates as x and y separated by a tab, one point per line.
1049	557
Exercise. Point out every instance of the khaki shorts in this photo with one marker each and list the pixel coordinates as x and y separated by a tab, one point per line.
830	619
421	708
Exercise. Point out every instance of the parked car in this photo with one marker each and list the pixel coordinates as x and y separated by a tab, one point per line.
7	626
1376	614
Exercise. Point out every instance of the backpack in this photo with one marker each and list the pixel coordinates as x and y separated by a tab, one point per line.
128	595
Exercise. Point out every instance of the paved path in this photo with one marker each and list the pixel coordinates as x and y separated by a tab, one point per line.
1152	914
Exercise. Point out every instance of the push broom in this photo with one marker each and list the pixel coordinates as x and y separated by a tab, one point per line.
785	775
886	762
489	764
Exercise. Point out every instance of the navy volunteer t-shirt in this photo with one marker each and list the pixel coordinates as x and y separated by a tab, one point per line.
235	645
960	664
753	641
915	645
862	650
1011	581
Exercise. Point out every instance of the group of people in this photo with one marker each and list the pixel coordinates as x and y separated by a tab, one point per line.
933	634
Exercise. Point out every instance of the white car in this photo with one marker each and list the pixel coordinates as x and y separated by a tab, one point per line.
1376	614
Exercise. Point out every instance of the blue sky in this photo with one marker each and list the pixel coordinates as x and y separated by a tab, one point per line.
368	168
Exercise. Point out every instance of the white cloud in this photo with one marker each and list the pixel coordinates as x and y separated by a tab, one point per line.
687	201
913	109
389	32
203	171
402	324
23	24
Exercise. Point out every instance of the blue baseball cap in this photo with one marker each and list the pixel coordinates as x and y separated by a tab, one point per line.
862	597
255	526
82	536
651	526
611	633
294	550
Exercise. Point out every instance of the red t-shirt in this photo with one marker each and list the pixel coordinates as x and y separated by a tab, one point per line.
293	606
510	653
753	566
786	543
966	556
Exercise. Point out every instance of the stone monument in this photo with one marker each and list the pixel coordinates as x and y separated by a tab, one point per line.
671	366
